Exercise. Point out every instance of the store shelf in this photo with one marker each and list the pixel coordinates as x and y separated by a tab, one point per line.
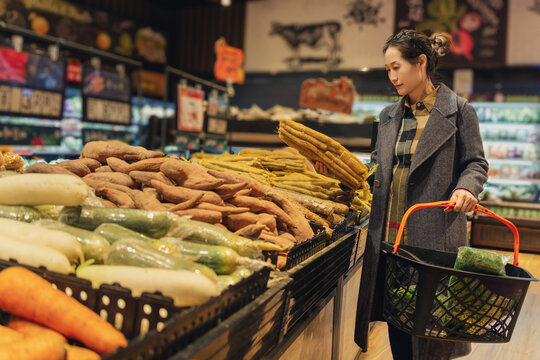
505	125
513	161
496	181
511	142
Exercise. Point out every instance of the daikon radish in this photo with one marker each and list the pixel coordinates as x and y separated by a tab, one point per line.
41	189
34	234
184	287
34	255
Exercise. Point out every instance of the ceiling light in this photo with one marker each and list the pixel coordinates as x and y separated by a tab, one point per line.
226	3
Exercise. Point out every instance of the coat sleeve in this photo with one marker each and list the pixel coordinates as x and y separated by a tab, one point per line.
472	164
374	154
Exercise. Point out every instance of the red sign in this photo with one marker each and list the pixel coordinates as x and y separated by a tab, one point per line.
228	66
190	109
74	71
337	96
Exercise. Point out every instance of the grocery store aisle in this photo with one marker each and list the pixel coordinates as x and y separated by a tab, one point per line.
524	343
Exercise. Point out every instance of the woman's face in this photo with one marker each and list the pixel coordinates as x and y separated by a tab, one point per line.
405	76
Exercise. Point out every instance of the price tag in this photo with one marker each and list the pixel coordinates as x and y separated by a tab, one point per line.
24	101
108	111
217	126
190	109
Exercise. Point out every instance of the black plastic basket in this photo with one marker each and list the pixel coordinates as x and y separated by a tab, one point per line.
424	296
343	227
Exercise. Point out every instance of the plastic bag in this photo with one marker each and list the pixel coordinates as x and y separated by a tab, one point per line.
482	261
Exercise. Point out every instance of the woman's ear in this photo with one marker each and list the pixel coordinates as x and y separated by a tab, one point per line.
422	61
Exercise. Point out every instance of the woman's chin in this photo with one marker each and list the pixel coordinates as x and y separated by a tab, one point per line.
401	91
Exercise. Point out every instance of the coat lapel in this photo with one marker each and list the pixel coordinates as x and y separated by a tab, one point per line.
439	128
389	132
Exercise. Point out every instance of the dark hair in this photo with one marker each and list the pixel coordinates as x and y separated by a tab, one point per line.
412	44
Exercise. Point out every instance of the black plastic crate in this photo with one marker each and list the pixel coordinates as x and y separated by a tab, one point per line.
248	334
314	278
360	242
343	227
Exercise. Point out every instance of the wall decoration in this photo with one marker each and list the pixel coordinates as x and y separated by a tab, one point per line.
321	41
229	61
364	12
523	46
336	96
333	35
478	27
190	109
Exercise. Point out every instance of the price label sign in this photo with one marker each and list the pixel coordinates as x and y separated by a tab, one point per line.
24	101
190	109
108	111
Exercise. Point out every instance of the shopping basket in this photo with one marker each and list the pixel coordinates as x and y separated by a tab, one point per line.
426	297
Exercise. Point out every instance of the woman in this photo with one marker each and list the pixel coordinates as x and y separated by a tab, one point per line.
428	149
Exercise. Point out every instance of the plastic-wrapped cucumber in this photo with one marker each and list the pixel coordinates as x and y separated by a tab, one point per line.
209	234
19	213
114	232
221	259
225	281
241	272
133	252
93	245
151	223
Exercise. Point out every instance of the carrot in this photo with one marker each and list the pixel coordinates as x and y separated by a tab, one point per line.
26	294
33	348
80	353
30	328
8	335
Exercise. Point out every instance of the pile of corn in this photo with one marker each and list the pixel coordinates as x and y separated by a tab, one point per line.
362	199
277	160
341	163
309	183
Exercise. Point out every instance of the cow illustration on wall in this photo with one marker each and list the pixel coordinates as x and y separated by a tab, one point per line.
316	43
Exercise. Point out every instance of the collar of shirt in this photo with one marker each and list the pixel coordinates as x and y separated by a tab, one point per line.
428	102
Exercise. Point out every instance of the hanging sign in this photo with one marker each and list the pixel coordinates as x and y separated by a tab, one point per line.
214	145
104	135
337	96
187	141
190	109
228	66
152	83
29	135
107	111
29	102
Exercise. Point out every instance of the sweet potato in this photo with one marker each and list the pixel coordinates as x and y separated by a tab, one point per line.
146	201
192	176
253	230
259	205
334	219
281	260
149	164
145	177
225	210
92	164
101	150
104	169
227	191
178	194
285	243
118	197
207	216
269	221
106	203
97	184
42	168
287	235
113	177
188	204
151	191
221	226
76	166
118	165
235	222
300	229
243	192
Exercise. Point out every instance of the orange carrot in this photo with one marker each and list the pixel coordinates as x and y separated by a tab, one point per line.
26	294
80	353
33	348
8	335
30	328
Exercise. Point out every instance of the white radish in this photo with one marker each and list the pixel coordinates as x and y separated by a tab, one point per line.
34	234
184	287
34	255
42	189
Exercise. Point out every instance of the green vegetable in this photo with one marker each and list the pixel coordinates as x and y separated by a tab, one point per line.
225	281
93	245
241	273
209	234
134	252
19	213
151	223
478	260
114	232
220	258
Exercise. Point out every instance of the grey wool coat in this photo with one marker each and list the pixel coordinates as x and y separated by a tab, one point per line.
449	156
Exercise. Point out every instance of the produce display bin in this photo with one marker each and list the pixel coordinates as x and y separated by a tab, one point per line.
343	227
314	278
152	323
360	242
248	334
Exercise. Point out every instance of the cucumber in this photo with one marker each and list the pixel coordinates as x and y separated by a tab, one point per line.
184	287
209	234
19	213
221	259
241	272
151	223
134	252
114	232
224	281
94	246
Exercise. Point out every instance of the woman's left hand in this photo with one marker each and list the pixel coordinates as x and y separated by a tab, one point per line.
465	201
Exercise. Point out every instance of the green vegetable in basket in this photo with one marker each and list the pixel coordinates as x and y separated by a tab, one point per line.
151	223
19	213
478	260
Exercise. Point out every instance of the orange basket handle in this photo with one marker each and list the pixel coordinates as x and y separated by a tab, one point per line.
451	204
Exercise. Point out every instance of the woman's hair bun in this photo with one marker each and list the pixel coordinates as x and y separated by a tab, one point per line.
441	42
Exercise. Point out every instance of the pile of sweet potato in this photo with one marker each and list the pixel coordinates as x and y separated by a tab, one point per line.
133	177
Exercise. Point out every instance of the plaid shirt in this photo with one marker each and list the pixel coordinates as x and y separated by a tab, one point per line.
414	121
